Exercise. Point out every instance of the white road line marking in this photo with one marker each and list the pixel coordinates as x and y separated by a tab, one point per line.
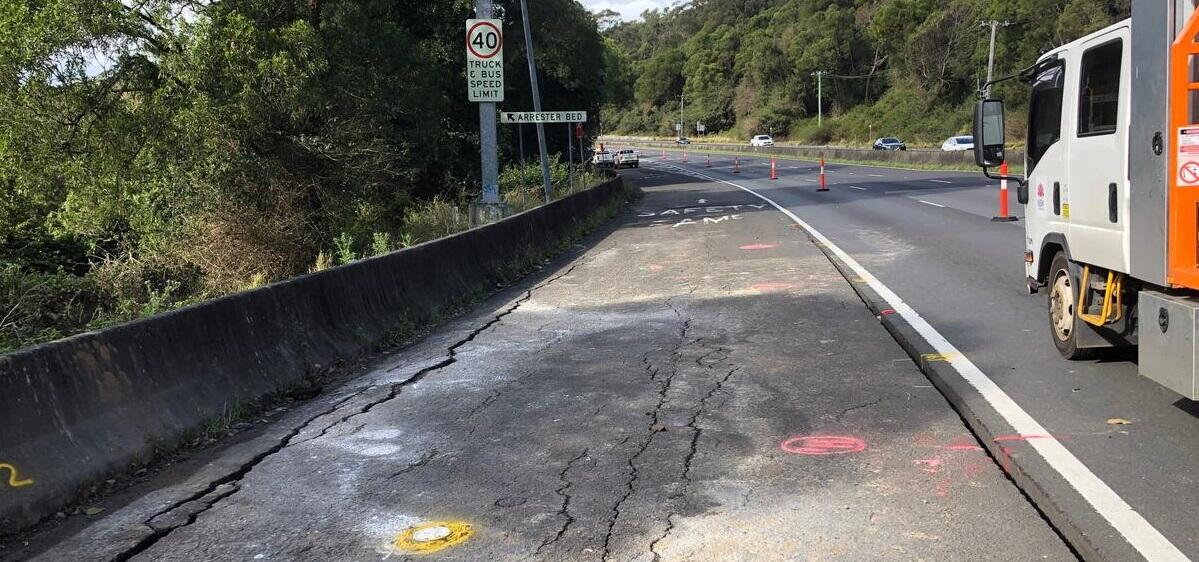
1139	533
940	181
877	175
931	203
856	187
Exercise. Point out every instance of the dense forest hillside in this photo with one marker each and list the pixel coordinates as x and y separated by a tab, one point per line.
158	152
894	67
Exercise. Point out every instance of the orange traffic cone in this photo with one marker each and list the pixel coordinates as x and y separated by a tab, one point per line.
684	155
737	165
774	172
707	161
823	184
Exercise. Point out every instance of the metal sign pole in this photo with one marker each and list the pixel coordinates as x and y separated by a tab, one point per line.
488	147
570	156
545	159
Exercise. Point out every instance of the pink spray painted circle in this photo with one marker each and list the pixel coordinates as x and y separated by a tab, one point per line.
823	445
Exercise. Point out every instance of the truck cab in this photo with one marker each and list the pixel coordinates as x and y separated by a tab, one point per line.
1111	189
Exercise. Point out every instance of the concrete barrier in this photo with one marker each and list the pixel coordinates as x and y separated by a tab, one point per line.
79	410
922	157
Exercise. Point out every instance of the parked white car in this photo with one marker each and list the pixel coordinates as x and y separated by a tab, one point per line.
602	158
761	140
627	158
954	144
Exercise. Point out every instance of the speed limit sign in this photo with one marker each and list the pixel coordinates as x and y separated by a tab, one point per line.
485	60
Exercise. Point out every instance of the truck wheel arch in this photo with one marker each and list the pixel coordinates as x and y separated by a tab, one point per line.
1053	243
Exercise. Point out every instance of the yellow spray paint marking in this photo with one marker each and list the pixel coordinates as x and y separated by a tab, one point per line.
858	280
433	536
13	480
930	357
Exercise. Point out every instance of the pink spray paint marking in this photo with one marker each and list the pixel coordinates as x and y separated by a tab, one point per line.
931	466
887	311
759	246
962	448
823	445
772	286
654	267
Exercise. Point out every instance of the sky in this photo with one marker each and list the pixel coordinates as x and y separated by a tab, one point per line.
628	9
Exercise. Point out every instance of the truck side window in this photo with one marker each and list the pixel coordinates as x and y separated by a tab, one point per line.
1045	113
1099	99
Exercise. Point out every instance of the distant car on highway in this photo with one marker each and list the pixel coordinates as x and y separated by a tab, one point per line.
627	158
761	140
954	144
682	140
889	143
603	158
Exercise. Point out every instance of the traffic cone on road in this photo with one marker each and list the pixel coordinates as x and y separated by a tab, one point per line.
1003	211
684	155
707	160
823	183
774	171
663	153
737	165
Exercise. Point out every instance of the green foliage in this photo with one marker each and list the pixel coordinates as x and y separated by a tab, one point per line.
380	243
343	246
156	153
893	67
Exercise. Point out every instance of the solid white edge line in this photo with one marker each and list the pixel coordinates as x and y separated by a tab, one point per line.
931	203
1139	533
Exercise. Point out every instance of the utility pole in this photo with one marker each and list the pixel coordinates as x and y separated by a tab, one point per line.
545	159
488	146
682	124
819	74
994	25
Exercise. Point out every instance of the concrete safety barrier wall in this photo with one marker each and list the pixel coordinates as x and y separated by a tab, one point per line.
79	410
898	157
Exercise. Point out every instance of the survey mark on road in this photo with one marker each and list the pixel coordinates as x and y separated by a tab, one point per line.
434	536
819	445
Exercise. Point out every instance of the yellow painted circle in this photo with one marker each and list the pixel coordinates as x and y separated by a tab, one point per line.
433	536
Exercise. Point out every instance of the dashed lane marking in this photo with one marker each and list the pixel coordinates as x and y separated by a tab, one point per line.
931	203
1138	532
856	187
940	181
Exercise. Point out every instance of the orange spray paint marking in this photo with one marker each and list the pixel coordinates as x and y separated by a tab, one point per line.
887	311
823	445
14	480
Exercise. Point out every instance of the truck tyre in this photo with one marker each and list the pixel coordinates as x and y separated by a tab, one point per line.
1063	319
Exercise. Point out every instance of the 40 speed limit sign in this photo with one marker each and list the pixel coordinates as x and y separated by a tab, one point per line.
485	60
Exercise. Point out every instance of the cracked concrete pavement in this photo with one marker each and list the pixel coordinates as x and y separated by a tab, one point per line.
696	383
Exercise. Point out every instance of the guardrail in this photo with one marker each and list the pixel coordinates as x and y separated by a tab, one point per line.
78	410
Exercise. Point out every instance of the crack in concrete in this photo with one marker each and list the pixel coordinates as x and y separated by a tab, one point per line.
842	413
158	534
422	461
663	389
696	432
564	492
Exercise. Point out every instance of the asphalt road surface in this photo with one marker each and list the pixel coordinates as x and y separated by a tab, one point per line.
694	382
927	236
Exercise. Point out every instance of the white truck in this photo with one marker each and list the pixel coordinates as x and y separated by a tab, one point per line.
1111	192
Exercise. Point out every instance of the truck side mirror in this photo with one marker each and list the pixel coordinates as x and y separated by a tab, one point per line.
988	133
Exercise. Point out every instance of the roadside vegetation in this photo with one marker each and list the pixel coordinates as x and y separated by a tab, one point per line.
157	153
907	68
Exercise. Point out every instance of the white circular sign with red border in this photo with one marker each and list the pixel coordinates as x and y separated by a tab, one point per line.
484	39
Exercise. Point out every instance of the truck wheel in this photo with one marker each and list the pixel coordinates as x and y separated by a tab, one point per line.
1063	319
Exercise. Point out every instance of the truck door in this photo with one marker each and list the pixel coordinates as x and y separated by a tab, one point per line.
1098	164
1045	160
